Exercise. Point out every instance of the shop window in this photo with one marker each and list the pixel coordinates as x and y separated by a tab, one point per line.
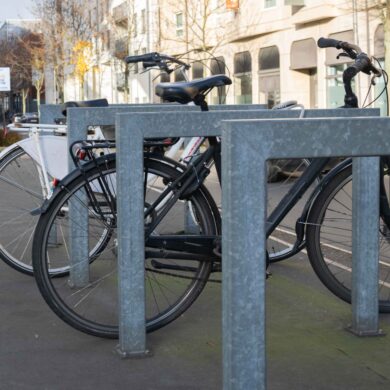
269	76
217	66
379	93
165	77
335	85
178	75
243	78
197	70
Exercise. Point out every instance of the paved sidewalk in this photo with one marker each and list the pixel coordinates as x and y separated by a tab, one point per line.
308	347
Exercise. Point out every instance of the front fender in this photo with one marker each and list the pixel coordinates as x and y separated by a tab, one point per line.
345	164
85	168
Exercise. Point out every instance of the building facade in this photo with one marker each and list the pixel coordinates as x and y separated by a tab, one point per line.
10	32
268	47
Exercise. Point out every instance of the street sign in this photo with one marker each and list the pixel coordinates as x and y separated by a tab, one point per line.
5	80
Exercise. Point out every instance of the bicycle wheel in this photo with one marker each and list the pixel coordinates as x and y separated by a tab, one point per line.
329	240
93	308
21	192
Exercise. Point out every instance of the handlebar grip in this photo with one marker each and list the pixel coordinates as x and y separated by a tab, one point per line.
149	64
149	57
329	42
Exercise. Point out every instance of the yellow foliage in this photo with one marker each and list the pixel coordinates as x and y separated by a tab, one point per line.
82	58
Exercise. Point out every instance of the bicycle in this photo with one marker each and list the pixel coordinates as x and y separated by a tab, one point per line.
178	264
30	168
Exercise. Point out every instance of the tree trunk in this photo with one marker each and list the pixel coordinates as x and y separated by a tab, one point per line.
38	88
81	89
24	100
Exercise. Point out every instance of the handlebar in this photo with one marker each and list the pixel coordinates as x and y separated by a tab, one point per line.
362	63
351	49
154	59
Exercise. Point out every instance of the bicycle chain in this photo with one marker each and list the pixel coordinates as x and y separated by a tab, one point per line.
182	276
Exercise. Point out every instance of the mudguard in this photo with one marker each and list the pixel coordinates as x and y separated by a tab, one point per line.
54	150
345	164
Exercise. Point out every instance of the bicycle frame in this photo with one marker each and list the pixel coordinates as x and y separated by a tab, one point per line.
198	169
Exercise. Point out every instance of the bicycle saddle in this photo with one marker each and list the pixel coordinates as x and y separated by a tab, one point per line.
85	103
185	92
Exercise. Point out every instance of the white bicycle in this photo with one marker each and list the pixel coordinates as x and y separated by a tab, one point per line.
29	171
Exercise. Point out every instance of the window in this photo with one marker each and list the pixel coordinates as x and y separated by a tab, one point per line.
378	89
143	21
178	75
179	24
218	95
165	77
335	85
243	78
197	70
269	3
269	76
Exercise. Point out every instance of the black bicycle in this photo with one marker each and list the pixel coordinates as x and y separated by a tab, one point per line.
183	223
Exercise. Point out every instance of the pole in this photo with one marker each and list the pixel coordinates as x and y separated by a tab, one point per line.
3	112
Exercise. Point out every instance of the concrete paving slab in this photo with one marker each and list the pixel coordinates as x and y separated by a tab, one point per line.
308	347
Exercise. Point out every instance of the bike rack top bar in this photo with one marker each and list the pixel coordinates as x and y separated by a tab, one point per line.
49	112
175	124
322	137
79	119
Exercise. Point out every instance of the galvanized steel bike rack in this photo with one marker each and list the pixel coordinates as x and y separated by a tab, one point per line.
249	144
78	121
131	130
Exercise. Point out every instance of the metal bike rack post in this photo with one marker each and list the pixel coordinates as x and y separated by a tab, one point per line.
365	245
79	119
252	143
131	129
49	112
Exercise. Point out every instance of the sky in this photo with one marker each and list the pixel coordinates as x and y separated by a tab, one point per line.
15	9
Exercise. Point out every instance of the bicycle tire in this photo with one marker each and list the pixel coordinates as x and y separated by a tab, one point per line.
329	240
22	193
95	312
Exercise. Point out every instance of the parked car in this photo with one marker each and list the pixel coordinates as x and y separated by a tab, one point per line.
30	117
16	118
